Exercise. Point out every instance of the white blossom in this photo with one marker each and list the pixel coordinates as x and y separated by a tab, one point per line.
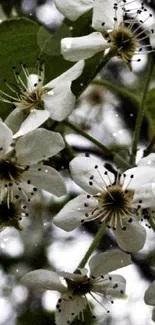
113	201
74	292
21	173
115	26
35	102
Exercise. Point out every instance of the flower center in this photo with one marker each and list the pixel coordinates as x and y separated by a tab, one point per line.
9	171
114	205
79	287
32	100
124	42
10	216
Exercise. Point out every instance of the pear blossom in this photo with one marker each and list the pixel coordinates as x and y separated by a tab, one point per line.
114	24
77	285
149	298
21	172
113	200
35	102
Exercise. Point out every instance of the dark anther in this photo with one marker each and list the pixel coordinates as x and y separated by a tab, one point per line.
28	182
91	183
130	220
95	166
88	196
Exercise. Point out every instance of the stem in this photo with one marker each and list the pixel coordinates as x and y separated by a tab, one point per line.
93	245
118	90
97	62
106	150
141	113
152	224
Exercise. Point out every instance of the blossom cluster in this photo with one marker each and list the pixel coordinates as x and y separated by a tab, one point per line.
118	201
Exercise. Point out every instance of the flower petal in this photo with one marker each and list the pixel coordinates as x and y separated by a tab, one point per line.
152	36
15	119
144	196
74	276
68	309
133	238
60	101
73	9
104	15
104	263
75	212
77	48
113	286
137	176
90	175
147	161
46	178
32	122
5	138
43	280
38	145
149	296
71	74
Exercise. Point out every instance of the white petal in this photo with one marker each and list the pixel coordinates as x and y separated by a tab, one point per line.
147	161
46	178
104	14
5	138
75	212
32	122
15	119
74	276
144	196
60	102
77	48
104	263
133	238
43	280
153	314
33	81
113	286
152	36
73	9
69	308
149	297
90	175
71	74
38	145
141	176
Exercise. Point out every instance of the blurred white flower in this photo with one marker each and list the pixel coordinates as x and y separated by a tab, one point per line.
114	200
116	26
73	299
36	102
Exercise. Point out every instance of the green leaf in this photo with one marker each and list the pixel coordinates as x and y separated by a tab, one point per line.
22	41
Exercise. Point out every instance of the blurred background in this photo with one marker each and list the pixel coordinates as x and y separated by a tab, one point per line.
109	116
